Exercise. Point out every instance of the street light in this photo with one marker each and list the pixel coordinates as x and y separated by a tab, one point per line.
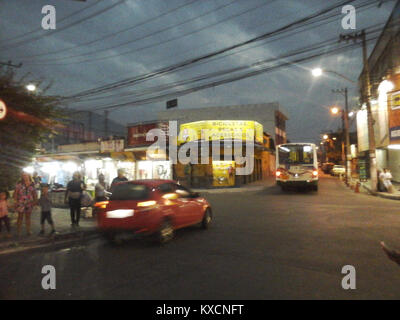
334	110
31	87
317	72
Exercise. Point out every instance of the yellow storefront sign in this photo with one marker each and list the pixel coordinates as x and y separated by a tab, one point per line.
214	130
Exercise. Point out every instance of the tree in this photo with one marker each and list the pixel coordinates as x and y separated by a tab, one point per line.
31	117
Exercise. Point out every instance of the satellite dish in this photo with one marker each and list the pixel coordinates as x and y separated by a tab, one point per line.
3	110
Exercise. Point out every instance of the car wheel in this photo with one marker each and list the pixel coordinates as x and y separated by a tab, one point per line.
166	232
207	219
109	236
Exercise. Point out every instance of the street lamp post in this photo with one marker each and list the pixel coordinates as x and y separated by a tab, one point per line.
345	118
345	127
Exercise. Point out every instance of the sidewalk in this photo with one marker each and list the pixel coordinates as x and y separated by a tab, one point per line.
393	196
64	231
253	186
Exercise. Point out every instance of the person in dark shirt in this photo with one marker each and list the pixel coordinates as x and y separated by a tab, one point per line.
121	178
73	197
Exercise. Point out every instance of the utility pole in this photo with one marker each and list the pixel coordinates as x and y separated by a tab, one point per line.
366	99
9	64
346	130
106	124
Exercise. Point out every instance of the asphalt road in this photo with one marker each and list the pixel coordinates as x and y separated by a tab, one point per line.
262	245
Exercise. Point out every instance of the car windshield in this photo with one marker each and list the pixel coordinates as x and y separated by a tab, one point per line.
130	191
296	154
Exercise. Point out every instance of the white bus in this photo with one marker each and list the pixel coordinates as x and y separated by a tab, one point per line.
297	165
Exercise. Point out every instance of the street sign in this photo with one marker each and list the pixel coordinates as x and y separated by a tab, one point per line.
3	110
172	103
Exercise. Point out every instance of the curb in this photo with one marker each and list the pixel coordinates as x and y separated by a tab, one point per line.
57	241
380	194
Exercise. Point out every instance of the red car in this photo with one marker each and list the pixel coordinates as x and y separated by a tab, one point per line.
156	207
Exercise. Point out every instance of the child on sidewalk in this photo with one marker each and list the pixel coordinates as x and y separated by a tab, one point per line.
45	205
4	212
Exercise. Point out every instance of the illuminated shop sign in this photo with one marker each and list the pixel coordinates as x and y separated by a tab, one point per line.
214	130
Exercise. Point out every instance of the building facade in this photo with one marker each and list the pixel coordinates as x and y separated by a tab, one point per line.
270	115
384	65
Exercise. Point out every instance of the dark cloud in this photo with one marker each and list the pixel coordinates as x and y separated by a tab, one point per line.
305	99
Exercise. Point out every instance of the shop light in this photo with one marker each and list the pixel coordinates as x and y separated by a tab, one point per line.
93	163
385	86
51	168
29	169
70	167
394	146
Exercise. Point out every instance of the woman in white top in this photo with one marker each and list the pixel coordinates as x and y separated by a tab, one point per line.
387	180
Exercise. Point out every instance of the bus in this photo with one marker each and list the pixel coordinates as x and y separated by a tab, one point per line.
297	166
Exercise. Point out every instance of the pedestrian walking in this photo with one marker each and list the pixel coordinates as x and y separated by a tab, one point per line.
73	197
45	206
25	198
100	189
4	205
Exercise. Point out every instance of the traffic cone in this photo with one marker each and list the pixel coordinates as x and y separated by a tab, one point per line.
357	188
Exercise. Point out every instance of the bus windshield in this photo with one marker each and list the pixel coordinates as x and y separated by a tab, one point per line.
301	154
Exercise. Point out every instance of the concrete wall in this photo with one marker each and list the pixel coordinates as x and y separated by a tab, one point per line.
394	164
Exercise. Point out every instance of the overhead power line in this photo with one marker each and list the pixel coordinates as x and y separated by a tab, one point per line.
73	14
180	65
113	34
158	43
286	63
47	34
323	20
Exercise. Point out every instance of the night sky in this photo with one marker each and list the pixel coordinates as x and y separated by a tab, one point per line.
74	61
